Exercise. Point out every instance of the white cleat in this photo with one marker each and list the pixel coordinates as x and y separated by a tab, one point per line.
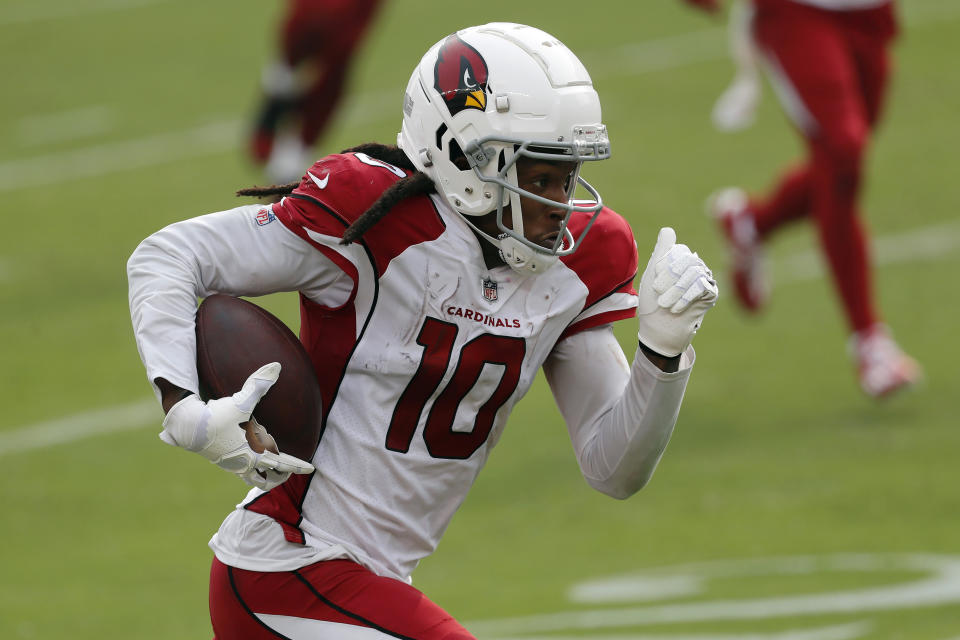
883	368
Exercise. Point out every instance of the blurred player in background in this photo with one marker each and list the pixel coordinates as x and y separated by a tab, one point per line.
436	278
829	62
304	85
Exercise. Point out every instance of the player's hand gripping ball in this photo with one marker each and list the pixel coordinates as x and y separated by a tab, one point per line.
215	430
242	346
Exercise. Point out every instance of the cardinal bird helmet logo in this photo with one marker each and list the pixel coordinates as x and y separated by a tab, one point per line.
460	76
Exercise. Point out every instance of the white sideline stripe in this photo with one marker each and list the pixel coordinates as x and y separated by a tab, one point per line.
918	245
43	11
82	425
629	59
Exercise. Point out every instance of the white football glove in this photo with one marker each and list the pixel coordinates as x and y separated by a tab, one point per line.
213	430
676	290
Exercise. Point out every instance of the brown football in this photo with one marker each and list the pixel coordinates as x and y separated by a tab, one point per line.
235	338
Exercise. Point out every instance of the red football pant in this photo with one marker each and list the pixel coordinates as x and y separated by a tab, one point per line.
324	601
832	69
323	34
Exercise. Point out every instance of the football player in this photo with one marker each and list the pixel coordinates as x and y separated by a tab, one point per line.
302	87
829	63
436	277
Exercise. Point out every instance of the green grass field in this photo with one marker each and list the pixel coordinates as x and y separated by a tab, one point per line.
788	506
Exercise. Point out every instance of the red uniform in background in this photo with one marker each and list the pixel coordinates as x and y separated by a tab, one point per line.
302	88
829	63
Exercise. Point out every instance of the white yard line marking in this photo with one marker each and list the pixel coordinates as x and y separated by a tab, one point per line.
627	59
113	157
925	244
81	426
28	13
938	585
637	58
74	124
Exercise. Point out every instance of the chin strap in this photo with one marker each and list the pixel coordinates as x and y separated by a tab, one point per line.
518	256
522	258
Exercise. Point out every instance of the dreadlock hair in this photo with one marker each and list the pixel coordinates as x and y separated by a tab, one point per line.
272	190
417	183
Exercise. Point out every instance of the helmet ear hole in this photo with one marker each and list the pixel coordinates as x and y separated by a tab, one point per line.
457	156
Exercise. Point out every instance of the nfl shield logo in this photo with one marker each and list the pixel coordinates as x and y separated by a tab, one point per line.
490	289
265	216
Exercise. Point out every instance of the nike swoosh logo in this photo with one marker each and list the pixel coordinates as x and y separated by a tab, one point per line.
317	181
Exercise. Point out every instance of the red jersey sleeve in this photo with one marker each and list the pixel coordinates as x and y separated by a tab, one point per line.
606	263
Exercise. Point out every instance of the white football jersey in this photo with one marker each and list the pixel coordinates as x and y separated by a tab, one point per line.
433	349
421	351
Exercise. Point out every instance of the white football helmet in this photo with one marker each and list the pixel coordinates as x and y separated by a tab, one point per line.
486	96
